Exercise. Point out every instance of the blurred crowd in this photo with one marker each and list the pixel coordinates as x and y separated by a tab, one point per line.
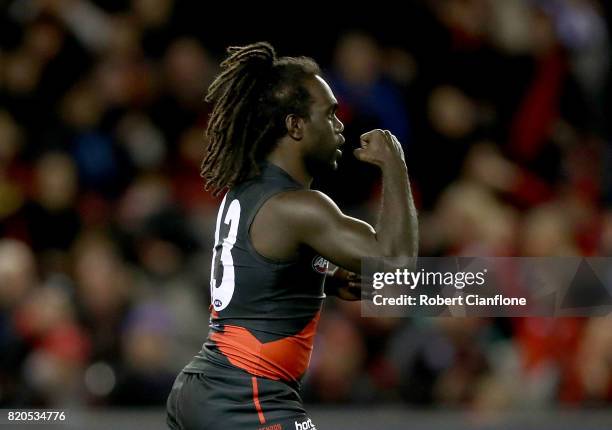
106	231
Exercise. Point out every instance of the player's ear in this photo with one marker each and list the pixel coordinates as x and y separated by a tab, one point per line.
295	126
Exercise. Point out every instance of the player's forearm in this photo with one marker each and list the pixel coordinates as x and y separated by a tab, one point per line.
397	229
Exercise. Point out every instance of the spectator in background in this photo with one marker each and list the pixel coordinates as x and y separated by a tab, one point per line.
146	373
104	290
18	278
14	178
367	99
52	219
365	94
44	347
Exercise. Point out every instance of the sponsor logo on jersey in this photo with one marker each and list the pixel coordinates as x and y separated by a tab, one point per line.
320	264
305	425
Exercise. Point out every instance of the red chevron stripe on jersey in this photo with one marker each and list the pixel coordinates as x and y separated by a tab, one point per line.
285	359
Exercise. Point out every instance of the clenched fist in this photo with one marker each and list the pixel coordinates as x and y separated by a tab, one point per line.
379	147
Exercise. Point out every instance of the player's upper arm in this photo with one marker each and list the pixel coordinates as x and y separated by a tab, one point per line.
317	222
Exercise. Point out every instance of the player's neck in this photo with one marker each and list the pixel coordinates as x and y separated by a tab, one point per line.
293	165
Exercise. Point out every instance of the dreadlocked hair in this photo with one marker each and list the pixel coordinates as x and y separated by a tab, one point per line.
251	97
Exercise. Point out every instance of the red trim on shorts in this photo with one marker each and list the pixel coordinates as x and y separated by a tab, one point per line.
262	419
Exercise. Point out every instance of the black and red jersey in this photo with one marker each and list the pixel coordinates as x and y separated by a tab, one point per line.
264	313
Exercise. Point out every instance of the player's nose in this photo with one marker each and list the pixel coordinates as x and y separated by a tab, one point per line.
340	126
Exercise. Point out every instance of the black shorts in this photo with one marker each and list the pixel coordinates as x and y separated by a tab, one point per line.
230	399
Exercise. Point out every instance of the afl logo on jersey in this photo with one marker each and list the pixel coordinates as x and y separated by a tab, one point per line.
320	264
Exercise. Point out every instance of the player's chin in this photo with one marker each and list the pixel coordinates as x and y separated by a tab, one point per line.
334	162
323	165
328	167
333	165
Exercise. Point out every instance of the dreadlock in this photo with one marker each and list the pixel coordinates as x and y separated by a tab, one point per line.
251	97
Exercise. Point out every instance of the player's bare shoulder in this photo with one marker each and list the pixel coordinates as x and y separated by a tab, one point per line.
276	231
305	208
284	220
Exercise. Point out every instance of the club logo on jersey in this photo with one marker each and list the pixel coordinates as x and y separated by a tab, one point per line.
320	264
305	425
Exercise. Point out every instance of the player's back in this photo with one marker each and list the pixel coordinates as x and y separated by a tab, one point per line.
264	313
